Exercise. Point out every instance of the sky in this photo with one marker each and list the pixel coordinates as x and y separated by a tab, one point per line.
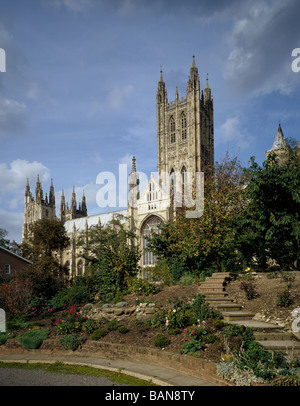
78	95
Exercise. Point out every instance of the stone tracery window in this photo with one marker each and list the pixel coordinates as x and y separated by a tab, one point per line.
183	179
183	126
150	225
172	130
172	182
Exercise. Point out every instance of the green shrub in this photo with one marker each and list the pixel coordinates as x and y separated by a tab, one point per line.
187	279
184	313
143	287
71	342
112	325
286	380
90	326
161	341
123	329
4	337
218	324
13	325
99	333
203	311
34	338
209	338
67	326
233	330
162	272
177	271
174	331
192	346
159	319
287	276
263	363
284	299
78	293
249	288
42	307
196	336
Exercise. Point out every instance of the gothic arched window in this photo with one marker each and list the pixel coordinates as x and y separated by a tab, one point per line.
150	225
183	126
183	178
172	182
79	268
172	130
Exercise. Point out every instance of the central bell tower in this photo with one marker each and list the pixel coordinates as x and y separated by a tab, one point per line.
185	128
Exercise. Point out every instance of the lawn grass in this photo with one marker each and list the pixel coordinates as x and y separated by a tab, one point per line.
60	367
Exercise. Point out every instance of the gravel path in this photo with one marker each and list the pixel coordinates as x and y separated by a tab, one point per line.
22	377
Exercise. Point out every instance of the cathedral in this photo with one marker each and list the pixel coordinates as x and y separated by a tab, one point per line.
185	145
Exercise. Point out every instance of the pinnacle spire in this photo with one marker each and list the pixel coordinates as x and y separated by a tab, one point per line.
194	64
133	169
207	85
161	76
279	141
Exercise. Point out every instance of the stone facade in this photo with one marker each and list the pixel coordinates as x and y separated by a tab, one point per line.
185	144
37	207
185	128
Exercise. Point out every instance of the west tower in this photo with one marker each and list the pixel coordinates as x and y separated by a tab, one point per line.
37	207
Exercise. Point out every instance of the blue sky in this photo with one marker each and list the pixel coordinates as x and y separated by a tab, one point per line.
78	95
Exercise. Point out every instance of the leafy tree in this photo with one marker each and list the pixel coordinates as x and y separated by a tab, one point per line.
113	256
10	245
46	240
269	227
4	242
15	295
206	243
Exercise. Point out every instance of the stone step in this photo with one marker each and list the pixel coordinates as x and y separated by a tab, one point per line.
272	335
239	315
224	274
289	347
227	306
213	301
216	281
211	288
214	295
257	325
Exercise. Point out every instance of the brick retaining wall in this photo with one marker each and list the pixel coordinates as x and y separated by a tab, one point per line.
183	363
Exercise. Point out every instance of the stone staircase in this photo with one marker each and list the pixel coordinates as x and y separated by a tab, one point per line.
270	335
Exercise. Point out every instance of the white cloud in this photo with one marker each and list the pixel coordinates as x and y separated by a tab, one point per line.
230	133
72	5
14	176
12	116
4	35
12	222
118	95
260	46
126	159
37	93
